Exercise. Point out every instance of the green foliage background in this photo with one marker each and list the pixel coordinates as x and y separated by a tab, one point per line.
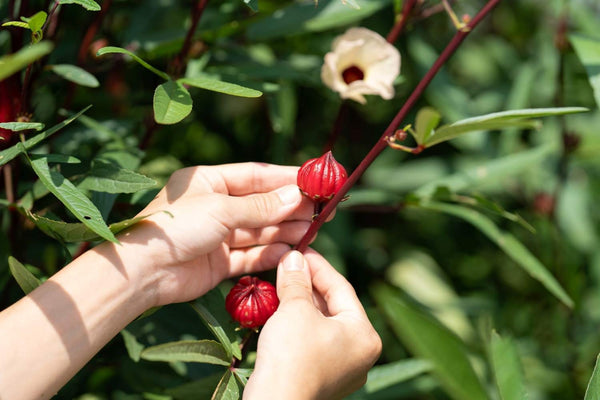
440	246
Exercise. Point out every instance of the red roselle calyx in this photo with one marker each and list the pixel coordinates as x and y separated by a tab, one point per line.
9	101
251	302
321	178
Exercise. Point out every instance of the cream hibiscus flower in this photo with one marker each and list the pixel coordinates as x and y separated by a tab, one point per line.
361	62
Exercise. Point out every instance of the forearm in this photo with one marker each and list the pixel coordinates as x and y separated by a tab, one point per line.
51	333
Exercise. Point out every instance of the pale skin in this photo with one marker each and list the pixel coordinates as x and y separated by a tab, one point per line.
222	221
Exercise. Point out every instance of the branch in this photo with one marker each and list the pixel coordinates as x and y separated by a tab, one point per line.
401	21
179	61
382	143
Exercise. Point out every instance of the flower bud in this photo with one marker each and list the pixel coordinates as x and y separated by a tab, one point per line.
321	178
251	302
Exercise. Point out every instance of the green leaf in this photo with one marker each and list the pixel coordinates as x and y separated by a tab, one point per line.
119	50
491	171
26	280
75	74
227	389
19	24
36	22
109	178
383	376
134	348
426	121
56	158
11	63
172	103
593	389
216	85
201	351
77	232
508	243
429	340
499	120
81	207
200	389
252	4
301	17
588	51
211	309
507	368
242	375
89	5
12	152
21	126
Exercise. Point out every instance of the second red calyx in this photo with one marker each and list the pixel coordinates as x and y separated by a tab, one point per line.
321	178
251	302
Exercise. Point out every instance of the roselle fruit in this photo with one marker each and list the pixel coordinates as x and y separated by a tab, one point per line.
321	178
9	100
251	302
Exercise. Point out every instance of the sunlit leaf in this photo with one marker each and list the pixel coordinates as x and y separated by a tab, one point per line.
386	375
26	280
227	389
216	85
593	388
89	5
172	103
507	368
81	207
508	243
21	126
11	63
75	74
134	348
431	341
498	120
201	351
588	51
109	178
12	152
425	123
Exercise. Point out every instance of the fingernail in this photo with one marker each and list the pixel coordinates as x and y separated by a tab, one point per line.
288	194
293	261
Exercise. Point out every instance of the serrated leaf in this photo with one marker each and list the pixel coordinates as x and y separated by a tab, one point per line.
227	389
508	243
75	74
11	63
21	126
216	85
593	389
211	309
81	207
89	5
134	348
588	51
26	280
119	50
172	103
201	351
12	152
77	232
507	368
498	120
429	340
109	178
426	121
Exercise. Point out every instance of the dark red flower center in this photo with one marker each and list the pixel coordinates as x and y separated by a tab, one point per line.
352	73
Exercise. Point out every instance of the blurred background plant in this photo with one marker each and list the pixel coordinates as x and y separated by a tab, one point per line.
476	259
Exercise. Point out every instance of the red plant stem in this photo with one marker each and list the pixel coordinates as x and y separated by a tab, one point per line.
382	143
401	21
179	60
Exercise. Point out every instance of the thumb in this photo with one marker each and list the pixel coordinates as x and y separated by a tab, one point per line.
262	209
293	278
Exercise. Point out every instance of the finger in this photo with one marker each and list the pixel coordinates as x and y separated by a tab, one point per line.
259	210
246	178
286	232
256	259
336	291
293	279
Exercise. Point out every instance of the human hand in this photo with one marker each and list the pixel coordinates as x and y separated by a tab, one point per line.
319	344
221	221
